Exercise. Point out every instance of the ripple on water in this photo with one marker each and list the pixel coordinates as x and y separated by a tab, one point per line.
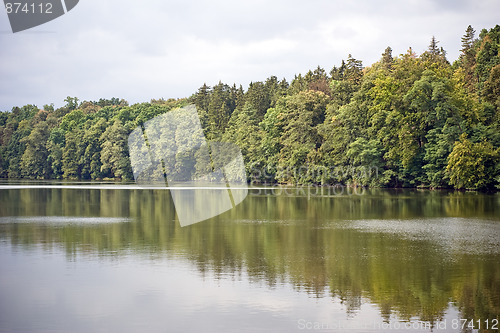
465	235
61	220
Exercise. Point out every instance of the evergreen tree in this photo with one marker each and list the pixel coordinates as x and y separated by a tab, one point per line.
468	41
238	96
353	70
434	53
387	58
244	131
467	58
298	84
317	80
202	97
337	73
345	81
259	98
220	108
275	89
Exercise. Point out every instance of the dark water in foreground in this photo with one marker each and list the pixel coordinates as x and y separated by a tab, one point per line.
116	260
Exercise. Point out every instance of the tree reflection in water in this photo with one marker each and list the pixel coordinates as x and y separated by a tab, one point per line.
411	253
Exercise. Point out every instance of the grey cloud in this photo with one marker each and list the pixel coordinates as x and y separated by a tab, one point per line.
143	50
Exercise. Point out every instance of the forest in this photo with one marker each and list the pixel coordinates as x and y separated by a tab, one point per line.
405	121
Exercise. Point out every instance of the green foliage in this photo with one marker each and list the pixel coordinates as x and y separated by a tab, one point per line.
25	113
487	54
467	59
258	98
427	106
73	120
474	165
92	155
15	147
492	87
366	159
435	54
395	123
244	131
72	154
55	144
34	161
114	154
438	147
298	116
3	119
387	58
271	145
220	108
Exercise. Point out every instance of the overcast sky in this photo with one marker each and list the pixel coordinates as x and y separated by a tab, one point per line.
139	50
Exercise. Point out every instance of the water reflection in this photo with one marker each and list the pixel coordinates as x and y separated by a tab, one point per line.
410	253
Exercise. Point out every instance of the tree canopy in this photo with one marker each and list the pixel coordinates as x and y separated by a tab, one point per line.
405	121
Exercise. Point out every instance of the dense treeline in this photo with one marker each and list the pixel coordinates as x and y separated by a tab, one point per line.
411	120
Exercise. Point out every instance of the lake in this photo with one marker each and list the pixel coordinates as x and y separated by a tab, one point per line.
111	258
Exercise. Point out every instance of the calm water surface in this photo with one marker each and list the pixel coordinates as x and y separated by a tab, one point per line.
116	260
